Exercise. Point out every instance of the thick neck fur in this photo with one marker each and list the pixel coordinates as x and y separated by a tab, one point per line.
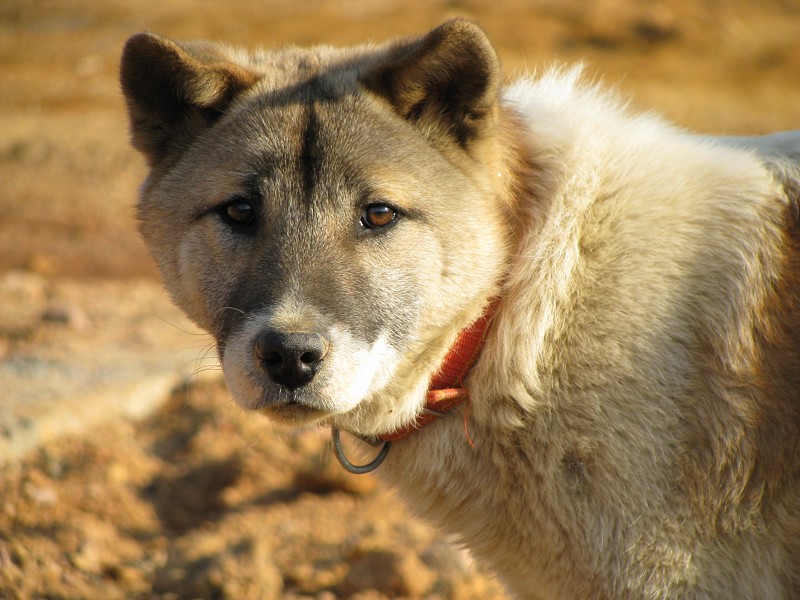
584	482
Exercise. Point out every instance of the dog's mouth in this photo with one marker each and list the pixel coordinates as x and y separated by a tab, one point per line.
293	413
302	407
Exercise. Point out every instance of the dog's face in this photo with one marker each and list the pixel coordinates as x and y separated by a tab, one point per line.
331	217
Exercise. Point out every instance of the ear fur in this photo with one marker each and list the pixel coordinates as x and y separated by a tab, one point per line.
447	80
175	90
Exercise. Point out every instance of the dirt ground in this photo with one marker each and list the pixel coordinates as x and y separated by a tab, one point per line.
197	500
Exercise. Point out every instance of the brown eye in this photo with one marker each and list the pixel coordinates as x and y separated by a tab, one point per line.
239	213
376	216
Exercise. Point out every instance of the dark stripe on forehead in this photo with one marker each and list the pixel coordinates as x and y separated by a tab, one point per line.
311	153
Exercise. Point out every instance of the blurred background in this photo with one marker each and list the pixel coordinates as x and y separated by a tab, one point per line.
125	470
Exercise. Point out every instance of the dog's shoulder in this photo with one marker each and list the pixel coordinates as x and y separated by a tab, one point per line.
669	244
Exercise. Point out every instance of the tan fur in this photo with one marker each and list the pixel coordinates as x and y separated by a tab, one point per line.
636	407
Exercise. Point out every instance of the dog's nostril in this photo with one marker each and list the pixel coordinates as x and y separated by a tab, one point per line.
271	359
311	356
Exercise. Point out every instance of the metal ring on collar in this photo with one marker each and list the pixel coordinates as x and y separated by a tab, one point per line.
338	450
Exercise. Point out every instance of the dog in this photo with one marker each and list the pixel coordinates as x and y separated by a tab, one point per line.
575	330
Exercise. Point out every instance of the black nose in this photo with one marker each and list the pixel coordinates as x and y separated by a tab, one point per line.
290	359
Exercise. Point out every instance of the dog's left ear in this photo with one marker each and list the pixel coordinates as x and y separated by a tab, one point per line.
446	82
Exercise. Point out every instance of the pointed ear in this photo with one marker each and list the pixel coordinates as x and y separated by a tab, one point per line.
445	82
175	90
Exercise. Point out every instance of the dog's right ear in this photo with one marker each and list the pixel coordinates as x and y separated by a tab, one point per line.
175	90
446	82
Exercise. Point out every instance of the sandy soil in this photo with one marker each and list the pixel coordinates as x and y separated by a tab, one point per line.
198	501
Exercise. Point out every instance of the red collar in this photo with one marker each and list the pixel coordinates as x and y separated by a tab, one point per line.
447	390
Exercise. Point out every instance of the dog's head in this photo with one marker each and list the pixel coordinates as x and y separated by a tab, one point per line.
332	217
